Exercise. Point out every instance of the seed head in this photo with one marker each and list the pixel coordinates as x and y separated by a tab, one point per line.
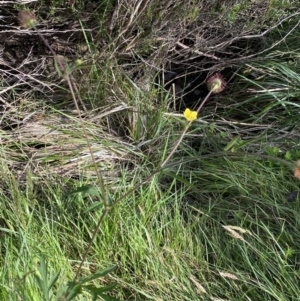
297	170
216	83
27	19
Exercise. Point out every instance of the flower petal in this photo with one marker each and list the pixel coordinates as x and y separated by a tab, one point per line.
190	115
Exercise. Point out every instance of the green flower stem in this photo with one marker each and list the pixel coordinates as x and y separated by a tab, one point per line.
184	131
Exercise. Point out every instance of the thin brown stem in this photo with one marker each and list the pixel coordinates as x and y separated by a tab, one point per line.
99	177
69	82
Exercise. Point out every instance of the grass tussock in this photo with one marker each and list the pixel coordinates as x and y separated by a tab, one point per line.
108	192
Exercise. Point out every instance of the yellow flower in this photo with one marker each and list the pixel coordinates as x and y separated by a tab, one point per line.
190	115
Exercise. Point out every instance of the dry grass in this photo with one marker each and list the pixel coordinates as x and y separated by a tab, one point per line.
143	41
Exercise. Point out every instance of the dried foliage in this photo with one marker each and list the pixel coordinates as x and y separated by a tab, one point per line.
175	41
185	42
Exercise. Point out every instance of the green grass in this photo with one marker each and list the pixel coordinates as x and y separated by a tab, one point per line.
166	242
217	223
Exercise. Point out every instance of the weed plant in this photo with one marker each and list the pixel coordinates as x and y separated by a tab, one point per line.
200	209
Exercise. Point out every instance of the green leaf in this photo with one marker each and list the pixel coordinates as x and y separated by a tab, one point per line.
99	204
232	143
97	274
288	156
39	282
98	290
53	280
86	189
108	298
74	289
94	206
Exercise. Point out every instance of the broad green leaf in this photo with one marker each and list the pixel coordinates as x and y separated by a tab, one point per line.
97	274
53	280
74	289
94	206
108	298
86	189
98	290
